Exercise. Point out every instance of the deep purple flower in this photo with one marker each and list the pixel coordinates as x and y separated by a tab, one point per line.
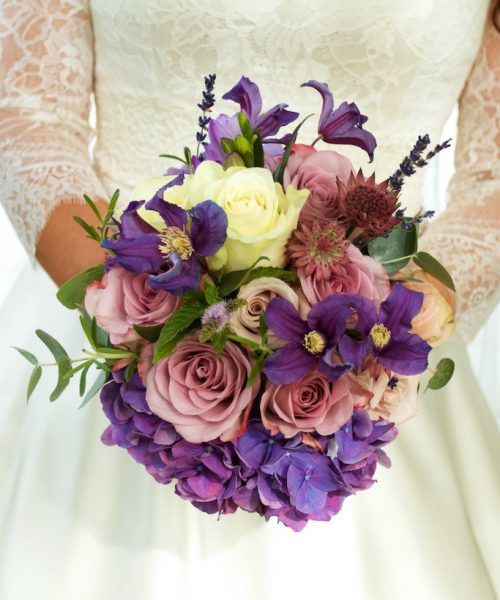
247	94
386	333
170	254
343	125
311	342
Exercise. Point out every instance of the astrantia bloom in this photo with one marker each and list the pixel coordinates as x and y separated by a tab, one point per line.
385	334
343	125
170	254
368	205
310	343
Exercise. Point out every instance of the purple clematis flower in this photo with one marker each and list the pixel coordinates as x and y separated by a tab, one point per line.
386	333
343	125
310	342
170	254
247	94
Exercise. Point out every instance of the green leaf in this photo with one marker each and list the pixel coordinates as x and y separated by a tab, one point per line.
130	370
113	201
151	333
434	268
263	328
33	382
280	169
227	145
91	232
72	293
86	324
211	293
169	347
246	128
173	157
233	281
96	386
27	355
443	374
219	340
83	378
399	244
181	319
258	153
192	296
62	359
94	208
75	370
255	370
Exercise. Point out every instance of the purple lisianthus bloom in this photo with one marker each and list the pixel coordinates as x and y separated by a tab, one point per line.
343	125
170	254
386	333
311	342
247	94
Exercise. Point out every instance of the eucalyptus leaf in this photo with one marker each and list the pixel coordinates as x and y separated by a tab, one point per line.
27	355
86	324
83	378
62	359
434	268
399	244
96	386
72	293
33	381
443	374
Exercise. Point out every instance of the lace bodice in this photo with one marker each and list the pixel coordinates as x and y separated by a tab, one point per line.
404	64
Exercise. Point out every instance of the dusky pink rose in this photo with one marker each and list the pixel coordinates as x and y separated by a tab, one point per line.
311	404
399	403
258	293
435	321
204	396
123	299
145	362
355	274
317	171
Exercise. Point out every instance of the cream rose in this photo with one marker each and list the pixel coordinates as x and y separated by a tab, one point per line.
399	402
257	294
261	216
435	321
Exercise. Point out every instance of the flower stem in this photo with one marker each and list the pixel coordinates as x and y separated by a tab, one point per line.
395	260
250	343
320	137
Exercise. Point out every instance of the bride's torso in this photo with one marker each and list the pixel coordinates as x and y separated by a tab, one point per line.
403	63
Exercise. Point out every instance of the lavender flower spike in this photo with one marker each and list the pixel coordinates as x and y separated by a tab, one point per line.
343	125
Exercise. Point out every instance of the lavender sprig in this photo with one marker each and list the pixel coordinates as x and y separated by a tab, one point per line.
407	223
208	100
414	160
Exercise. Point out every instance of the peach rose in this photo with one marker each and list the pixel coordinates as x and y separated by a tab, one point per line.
435	321
357	274
398	403
123	299
318	173
204	396
257	294
310	404
369	384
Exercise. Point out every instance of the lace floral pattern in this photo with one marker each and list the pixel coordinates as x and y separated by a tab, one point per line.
150	55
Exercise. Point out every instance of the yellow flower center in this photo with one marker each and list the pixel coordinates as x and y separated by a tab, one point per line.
174	239
380	335
314	342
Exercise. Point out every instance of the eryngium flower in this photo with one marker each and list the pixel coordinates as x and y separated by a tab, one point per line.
367	205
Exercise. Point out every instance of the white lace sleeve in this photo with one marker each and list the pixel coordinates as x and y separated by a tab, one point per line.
46	66
466	237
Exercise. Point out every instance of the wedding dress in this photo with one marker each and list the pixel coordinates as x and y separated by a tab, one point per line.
79	520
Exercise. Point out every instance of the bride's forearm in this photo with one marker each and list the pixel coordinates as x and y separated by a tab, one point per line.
64	250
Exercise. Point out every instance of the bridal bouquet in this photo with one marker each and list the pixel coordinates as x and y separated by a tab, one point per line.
263	314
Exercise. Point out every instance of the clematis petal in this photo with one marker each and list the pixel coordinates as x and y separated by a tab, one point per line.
181	277
172	215
284	320
221	127
288	364
274	119
400	307
131	225
247	94
327	96
406	355
137	254
208	228
330	316
331	369
353	351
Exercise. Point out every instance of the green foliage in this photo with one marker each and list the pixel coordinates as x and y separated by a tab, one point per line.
173	329
151	333
280	169
211	293
396	250
233	281
255	370
27	355
434	268
219	340
442	375
33	381
95	388
62	359
72	293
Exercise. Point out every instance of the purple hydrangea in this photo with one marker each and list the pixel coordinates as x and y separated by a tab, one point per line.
270	475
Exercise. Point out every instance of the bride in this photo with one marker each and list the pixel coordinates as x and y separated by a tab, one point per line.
79	520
